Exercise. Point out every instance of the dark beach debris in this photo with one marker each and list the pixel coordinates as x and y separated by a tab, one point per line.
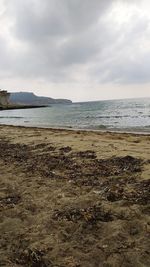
49	148
32	258
82	167
88	172
90	214
39	258
10	200
128	163
139	193
14	152
44	147
65	149
146	210
88	154
134	230
52	162
119	165
84	180
47	173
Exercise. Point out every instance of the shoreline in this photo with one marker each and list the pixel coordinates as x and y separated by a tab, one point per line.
79	129
21	107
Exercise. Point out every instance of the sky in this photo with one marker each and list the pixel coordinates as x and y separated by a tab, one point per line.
77	49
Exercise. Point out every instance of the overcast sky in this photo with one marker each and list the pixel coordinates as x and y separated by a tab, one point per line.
77	49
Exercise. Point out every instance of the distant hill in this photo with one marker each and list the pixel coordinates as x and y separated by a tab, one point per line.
27	98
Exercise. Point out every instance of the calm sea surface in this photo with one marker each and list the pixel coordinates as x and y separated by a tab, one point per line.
125	115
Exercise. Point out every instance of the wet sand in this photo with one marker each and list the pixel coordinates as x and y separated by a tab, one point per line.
74	198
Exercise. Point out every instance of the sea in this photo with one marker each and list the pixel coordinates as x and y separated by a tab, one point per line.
128	115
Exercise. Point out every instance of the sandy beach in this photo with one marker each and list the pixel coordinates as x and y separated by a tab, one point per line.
74	198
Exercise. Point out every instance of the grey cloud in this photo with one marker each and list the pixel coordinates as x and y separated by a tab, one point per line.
132	71
37	20
126	60
5	59
60	34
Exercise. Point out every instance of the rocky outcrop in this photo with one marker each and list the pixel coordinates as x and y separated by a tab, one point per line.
4	98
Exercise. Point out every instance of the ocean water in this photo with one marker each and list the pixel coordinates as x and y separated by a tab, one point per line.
117	115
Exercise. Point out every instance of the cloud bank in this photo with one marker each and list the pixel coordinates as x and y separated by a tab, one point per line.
75	42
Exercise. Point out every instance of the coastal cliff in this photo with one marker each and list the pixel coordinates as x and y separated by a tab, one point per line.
21	100
27	98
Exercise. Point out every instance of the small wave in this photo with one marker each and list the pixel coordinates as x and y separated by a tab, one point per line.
147	126
10	117
101	126
110	117
146	116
